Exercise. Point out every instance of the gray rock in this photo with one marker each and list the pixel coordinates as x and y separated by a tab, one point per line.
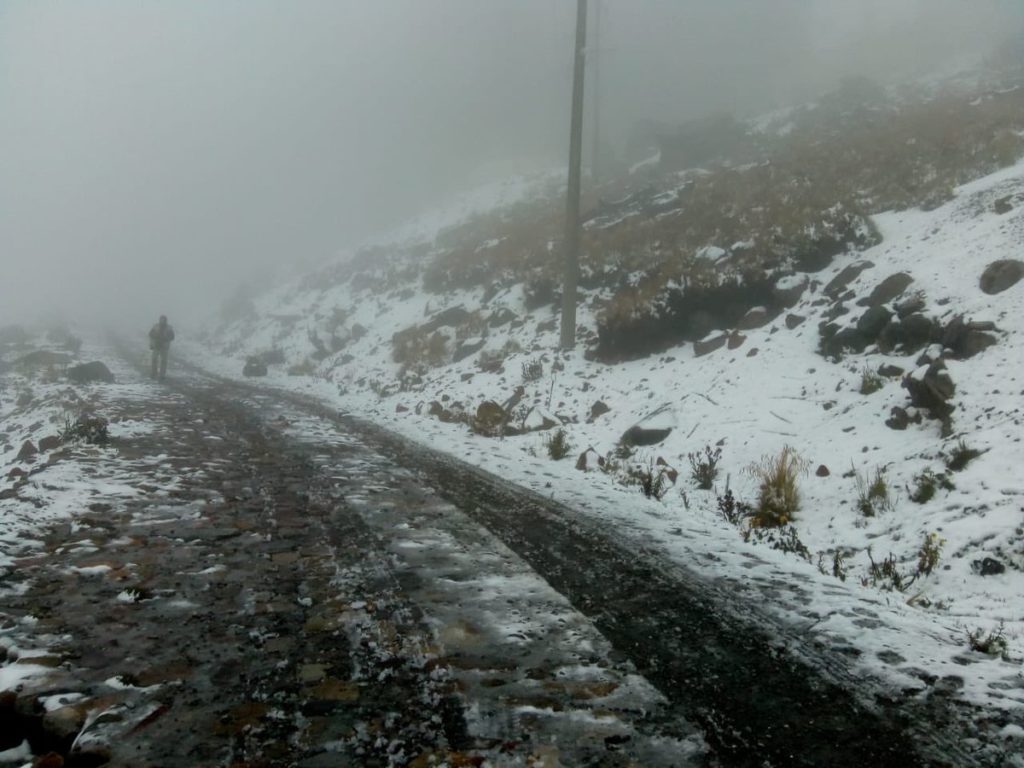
28	451
887	290
793	320
641	436
88	373
1001	275
599	408
872	322
701	348
836	285
254	366
988	566
465	349
755	318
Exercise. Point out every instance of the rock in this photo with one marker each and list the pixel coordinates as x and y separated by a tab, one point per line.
822	471
787	295
1003	205
490	418
736	340
254	366
873	322
651	430
842	341
400	408
63	725
49	760
17	473
599	408
912	333
467	348
28	451
24	399
589	460
756	317
707	346
931	389
49	443
910	306
887	290
793	320
967	339
988	566
1001	275
836	285
752	352
899	419
453	316
890	371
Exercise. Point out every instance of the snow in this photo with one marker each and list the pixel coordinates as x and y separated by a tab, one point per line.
752	406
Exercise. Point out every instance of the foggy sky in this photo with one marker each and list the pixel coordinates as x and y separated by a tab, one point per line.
154	153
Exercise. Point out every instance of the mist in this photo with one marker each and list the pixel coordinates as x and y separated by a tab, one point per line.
155	156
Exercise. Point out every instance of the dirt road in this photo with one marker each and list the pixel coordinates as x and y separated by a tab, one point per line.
312	591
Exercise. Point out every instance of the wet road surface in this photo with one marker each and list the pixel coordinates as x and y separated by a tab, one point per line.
317	592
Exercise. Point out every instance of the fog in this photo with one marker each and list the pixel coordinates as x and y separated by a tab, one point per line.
155	155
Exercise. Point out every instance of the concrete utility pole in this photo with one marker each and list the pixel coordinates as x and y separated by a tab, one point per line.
572	206
595	95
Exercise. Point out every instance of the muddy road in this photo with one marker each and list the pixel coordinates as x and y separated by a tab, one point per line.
313	591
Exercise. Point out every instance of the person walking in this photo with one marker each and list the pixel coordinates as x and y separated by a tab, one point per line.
160	337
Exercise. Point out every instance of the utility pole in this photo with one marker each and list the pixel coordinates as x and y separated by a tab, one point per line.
572	205
595	94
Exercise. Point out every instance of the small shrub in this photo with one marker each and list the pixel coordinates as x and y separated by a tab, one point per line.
558	445
533	370
927	483
784	538
734	512
873	496
929	553
652	480
992	642
885	574
778	497
704	467
87	428
961	456
870	382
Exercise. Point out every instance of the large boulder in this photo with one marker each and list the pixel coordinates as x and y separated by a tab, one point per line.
88	373
836	285
1000	275
651	430
887	290
931	390
756	317
872	323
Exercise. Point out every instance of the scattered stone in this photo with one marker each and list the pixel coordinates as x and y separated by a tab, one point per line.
89	373
49	443
1001	275
63	725
910	334
24	399
752	352
736	340
845	277
707	346
400	408
254	366
650	431
822	471
28	451
17	473
988	566
539	419
887	290
756	317
490	418
794	320
599	408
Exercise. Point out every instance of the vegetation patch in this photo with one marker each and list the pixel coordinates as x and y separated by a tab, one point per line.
778	495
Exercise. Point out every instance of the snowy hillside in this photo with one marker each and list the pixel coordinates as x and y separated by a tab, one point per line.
891	379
